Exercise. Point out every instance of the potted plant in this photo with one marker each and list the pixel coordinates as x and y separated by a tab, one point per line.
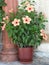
26	29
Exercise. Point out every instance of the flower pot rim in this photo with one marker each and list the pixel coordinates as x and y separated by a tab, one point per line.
25	47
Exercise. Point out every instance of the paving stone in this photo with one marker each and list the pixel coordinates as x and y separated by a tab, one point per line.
36	61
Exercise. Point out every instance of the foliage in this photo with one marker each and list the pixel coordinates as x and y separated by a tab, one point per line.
25	27
2	3
1	14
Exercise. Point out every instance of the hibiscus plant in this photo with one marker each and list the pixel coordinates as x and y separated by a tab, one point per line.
2	3
26	27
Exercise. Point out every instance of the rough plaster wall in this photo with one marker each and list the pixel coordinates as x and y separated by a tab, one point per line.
43	49
45	9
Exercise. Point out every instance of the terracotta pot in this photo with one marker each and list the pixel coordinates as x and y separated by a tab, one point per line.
9	50
8	55
11	4
25	54
7	42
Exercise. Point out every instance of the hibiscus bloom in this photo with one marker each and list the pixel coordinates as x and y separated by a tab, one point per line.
26	19
43	34
3	27
26	3
11	11
45	37
6	18
29	8
16	22
42	31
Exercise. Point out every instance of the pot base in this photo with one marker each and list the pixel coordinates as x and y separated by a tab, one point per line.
9	49
8	56
29	62
26	61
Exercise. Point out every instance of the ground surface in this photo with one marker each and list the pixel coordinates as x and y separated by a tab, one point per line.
36	61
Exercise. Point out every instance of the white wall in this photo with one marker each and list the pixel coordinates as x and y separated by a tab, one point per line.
43	49
43	6
19	1
45	9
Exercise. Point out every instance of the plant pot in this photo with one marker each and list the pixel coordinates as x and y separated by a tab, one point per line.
7	42
25	54
9	50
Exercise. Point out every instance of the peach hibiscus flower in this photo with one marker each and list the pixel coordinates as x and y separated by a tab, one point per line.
26	19
29	8
26	3
3	27
11	11
6	18
16	22
43	34
42	31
